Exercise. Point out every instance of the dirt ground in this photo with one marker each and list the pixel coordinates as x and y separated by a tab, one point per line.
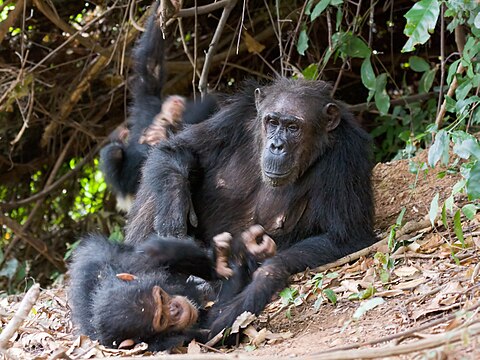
426	306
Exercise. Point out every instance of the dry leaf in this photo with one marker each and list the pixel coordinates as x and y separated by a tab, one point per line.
409	285
127	343
389	293
242	321
406	271
194	348
277	337
350	285
253	46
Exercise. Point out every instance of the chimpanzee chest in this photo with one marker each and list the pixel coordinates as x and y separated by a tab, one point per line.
229	202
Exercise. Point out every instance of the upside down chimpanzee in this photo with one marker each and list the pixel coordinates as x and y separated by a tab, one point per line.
152	119
286	156
124	294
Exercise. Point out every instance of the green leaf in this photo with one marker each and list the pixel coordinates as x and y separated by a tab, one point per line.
463	90
469	211
467	148
384	276
432	214
302	44
457	227
308	8
418	64
366	306
473	182
288	295
382	100
452	70
319	8
368	76
421	20
400	216
310	72
426	81
444	216
354	47
439	149
330	295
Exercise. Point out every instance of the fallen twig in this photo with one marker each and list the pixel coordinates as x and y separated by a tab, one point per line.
20	315
448	337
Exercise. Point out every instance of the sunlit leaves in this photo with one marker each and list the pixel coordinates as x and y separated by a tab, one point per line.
368	76
439	149
432	214
382	100
354	47
426	81
457	227
421	20
473	182
302	44
418	64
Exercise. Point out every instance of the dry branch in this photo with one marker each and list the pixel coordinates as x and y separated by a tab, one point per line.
36	243
52	15
48	189
20	315
98	65
460	40
202	84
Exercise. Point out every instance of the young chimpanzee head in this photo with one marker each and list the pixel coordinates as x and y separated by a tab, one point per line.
296	117
146	308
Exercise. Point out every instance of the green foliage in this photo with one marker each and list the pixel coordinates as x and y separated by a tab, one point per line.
91	195
421	20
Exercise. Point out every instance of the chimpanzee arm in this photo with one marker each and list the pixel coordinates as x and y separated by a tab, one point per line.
183	256
163	204
273	275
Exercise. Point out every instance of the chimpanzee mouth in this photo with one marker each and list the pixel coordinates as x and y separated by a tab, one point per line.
277	176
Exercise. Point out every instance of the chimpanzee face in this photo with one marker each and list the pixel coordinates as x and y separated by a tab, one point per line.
294	129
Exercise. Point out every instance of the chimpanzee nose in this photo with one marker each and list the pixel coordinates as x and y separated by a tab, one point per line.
276	148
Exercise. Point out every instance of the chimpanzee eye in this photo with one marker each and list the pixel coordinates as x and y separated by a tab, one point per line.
272	122
293	127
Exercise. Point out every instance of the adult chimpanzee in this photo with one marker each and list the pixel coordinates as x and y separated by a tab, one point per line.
124	294
151	118
286	156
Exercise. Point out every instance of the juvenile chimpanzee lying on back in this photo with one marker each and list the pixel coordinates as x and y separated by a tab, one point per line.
151	119
142	293
286	156
121	294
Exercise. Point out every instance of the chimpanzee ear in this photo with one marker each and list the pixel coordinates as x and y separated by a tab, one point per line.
259	96
332	114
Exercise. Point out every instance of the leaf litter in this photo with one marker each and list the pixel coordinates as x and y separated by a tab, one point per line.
419	291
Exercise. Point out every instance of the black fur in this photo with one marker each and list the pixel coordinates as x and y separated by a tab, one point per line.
112	310
215	170
121	161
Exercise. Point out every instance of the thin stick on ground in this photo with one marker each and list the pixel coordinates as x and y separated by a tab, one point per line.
21	314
